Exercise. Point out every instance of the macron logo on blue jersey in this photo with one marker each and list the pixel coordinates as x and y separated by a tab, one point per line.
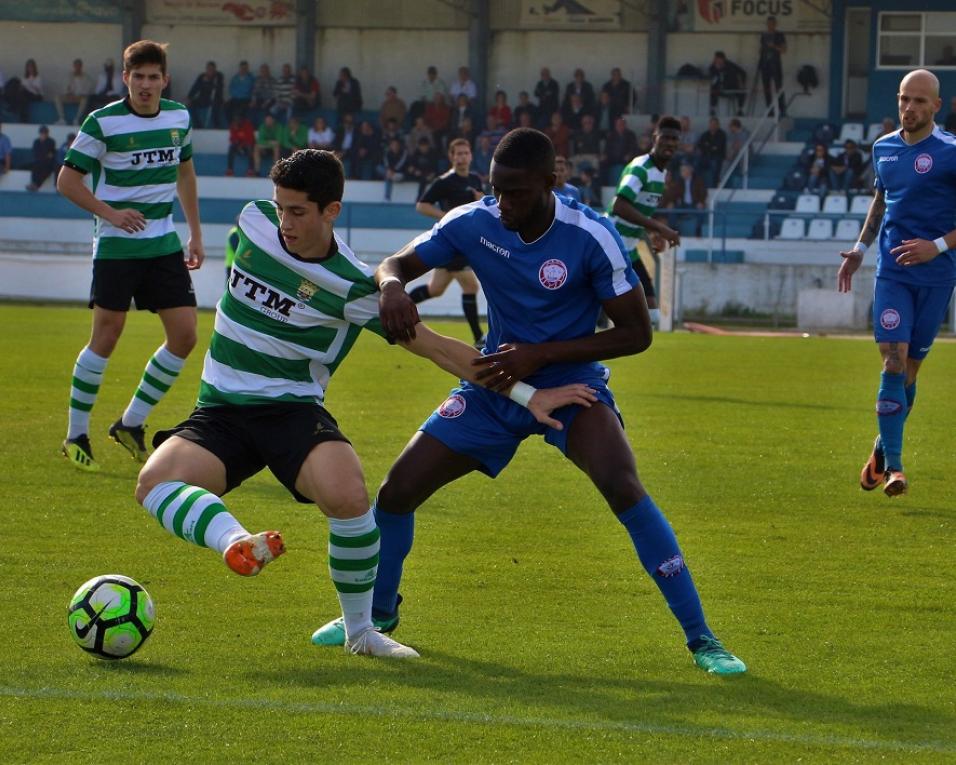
496	248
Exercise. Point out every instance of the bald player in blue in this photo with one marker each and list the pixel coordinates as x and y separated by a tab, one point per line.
912	218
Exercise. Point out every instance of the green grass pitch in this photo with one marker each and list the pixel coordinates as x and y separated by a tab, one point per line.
542	638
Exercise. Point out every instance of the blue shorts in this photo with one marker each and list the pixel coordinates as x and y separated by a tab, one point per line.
907	313
488	426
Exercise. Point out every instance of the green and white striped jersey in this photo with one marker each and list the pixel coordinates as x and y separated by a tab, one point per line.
641	184
134	164
284	325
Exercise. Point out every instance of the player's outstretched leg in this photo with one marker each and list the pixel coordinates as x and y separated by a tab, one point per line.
891	410
661	557
199	516
85	386
80	454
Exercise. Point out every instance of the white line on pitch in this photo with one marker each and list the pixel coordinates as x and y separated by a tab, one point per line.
484	719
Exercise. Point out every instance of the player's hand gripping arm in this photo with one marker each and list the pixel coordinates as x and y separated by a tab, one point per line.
912	252
853	257
455	357
189	201
624	209
396	309
631	334
70	184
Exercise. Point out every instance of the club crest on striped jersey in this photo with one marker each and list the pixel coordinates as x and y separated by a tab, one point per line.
552	274
453	406
306	290
174	137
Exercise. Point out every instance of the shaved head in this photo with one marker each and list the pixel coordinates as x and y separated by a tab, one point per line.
918	102
922	78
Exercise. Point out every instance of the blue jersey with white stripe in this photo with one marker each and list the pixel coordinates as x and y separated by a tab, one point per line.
549	289
918	182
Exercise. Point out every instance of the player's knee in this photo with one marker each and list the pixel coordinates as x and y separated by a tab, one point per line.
350	503
893	364
396	496
620	491
146	481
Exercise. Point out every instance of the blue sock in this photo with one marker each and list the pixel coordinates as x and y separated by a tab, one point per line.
890	415
910	391
661	557
397	531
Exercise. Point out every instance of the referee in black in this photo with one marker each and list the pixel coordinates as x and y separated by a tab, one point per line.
457	187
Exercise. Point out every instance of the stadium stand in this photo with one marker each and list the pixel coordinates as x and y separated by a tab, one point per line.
835	204
851	131
847	230
820	228
860	204
808	203
792	228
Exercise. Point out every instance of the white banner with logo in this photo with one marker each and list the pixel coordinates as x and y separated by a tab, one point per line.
221	12
571	14
751	16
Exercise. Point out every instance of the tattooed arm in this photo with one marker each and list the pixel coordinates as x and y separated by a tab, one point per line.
854	257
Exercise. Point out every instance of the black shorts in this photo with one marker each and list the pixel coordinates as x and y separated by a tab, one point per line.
153	283
646	282
457	263
247	439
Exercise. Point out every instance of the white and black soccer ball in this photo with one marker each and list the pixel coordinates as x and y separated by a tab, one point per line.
111	616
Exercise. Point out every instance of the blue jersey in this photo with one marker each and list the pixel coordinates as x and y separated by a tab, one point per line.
550	289
919	185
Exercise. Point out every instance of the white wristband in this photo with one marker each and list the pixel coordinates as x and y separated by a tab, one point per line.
860	247
521	393
941	245
387	280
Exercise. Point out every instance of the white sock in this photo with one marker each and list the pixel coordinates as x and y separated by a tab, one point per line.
87	378
193	514
161	372
353	562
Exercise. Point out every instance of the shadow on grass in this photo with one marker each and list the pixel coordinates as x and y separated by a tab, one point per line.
504	694
740	401
137	668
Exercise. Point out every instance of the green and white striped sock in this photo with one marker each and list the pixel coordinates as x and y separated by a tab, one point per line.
160	373
353	562
87	378
193	514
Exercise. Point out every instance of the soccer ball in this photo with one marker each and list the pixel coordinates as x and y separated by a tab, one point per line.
111	616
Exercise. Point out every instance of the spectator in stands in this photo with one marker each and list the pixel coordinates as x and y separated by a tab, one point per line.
818	172
466	130
461	112
6	152
686	191
392	169
264	89
950	125
390	131
726	80
481	158
548	93
109	86
204	99
240	91
431	85
30	91
602	113
242	143
422	165
392	108
345	137
578	87
773	45
78	90
620	95
847	168
711	151
525	119
620	147
736	139
464	86
292	137
305	91
64	148
500	110
561	174
574	113
588	188
586	144
525	106
44	159
438	118
419	130
285	85
267	140
367	152
687	146
493	130
347	93
321	136
559	134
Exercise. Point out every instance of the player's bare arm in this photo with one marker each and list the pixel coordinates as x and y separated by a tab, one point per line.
427	208
70	184
624	209
189	200
396	309
455	357
630	334
853	257
912	252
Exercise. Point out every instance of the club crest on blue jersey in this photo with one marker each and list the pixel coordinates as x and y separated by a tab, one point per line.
923	164
890	318
552	274
453	406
